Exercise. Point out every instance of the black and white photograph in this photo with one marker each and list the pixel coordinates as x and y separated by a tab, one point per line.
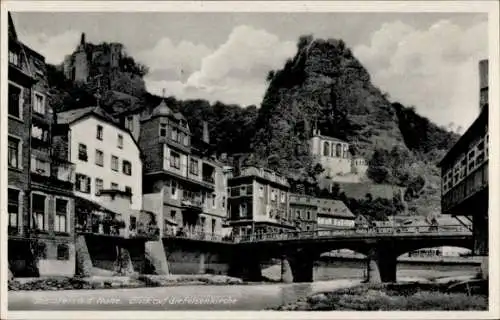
301	158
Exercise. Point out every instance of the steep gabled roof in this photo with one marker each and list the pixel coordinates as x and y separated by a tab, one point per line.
71	116
12	28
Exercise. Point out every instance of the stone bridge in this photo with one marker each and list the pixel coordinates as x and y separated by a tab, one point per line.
298	250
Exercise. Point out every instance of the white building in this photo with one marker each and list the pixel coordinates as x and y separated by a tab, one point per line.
106	156
334	156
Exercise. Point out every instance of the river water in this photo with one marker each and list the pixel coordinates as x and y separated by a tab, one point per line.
209	297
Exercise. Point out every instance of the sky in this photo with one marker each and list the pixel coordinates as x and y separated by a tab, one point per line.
428	60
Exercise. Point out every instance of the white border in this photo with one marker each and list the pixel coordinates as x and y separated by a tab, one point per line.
491	7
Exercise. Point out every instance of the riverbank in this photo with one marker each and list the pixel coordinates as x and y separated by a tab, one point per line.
115	282
412	296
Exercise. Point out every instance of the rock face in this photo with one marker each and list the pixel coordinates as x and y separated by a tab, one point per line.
324	85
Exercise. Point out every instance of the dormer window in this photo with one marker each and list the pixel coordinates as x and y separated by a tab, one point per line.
14	58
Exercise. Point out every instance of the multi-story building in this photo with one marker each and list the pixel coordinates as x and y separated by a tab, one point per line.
334	213
40	174
106	155
181	182
304	211
336	159
258	202
464	173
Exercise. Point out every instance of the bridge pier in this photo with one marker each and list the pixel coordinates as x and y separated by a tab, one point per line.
246	266
302	267
382	265
286	271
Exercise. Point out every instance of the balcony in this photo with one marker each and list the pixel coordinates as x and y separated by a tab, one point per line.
460	194
192	202
208	179
145	231
102	224
49	172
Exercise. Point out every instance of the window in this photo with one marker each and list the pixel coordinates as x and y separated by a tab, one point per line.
173	189
99	158
273	195
163	129
172	214
243	210
114	186
14	58
223	202
114	163
174	134
180	137
213	200
471	160
213	225
15	101
39	103
202	223
133	223
40	166
127	167
39	133
38	209
62	252
283	197
308	215
60	224
129	123
13	207
186	140
338	150
120	141
243	190
82	183
99	185
128	190
82	152
14	152
193	167
99	132
326	148
175	160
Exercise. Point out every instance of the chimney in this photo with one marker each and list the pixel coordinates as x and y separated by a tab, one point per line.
206	137
483	83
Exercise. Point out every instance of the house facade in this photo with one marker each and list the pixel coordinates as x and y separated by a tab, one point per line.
180	179
464	173
304	211
259	202
334	214
106	156
40	174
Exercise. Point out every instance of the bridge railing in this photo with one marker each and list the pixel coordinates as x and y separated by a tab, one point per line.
198	235
355	232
